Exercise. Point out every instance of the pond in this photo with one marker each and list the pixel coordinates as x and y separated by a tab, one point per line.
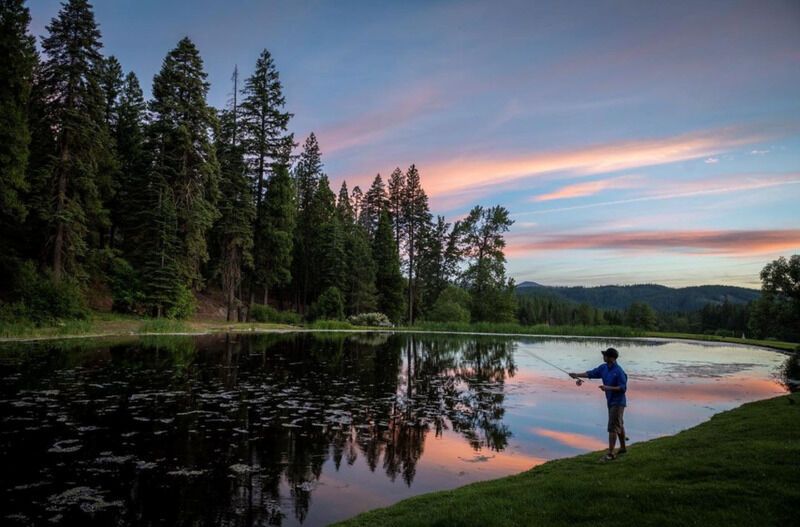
290	429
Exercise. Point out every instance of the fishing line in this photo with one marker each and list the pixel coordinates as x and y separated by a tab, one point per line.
578	382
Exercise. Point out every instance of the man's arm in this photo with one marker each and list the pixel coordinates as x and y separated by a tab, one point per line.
579	375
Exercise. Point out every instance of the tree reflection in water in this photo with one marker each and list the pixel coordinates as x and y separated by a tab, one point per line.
230	430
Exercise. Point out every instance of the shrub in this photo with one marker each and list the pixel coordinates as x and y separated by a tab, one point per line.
262	313
329	305
370	319
42	300
452	305
184	305
126	290
448	312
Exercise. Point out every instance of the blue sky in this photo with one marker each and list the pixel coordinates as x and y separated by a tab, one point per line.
631	141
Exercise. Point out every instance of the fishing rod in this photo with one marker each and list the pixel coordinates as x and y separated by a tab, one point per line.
578	382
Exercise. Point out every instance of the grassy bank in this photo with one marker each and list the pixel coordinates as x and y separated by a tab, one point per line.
739	468
101	324
777	344
105	324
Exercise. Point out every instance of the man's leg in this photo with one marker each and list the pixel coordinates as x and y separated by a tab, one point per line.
612	441
612	430
621	429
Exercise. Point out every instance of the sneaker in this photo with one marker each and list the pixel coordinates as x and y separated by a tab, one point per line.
608	457
622	451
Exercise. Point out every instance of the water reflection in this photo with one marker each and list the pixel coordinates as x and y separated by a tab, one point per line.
300	428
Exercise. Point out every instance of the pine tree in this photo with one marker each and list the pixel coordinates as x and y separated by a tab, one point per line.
344	208
109	169
160	249
396	198
184	156
129	138
357	200
360	292
276	230
265	138
415	216
307	175
326	240
16	77
234	229
74	108
375	201
111	82
388	277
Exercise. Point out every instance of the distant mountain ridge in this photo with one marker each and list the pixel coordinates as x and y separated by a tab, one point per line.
659	297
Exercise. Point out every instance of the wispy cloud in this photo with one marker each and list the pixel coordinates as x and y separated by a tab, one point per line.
711	161
758	152
589	188
374	125
720	242
686	189
469	172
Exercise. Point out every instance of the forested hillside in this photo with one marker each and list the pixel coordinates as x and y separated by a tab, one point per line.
659	297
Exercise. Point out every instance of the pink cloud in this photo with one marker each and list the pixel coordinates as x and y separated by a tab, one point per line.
589	188
455	175
730	242
372	126
665	190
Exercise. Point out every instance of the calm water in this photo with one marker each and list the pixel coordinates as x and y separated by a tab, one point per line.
301	429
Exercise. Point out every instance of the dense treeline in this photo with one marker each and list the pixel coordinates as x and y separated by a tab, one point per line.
774	315
155	200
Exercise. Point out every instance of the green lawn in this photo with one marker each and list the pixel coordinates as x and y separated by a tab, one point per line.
739	468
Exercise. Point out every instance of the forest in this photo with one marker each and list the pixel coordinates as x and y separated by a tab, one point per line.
148	202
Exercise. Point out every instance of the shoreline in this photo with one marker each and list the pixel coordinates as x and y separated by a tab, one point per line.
211	328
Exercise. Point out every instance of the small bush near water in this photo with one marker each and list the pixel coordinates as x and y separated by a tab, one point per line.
370	319
262	313
329	305
40	300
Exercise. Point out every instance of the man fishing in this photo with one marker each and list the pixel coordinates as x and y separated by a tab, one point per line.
615	383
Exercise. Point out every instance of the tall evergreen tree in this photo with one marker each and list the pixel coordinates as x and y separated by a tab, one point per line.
327	240
266	139
234	231
74	109
184	156
160	249
395	200
359	285
416	217
343	206
16	77
307	175
375	201
357	200
276	231
129	138
388	277
109	169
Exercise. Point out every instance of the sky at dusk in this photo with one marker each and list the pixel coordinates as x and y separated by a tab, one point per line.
631	141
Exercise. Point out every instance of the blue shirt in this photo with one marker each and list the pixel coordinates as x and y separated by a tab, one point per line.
612	376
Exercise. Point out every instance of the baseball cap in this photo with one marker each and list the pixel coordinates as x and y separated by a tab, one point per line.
611	352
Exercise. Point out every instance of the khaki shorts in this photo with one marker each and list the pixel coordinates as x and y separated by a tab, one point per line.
615	422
